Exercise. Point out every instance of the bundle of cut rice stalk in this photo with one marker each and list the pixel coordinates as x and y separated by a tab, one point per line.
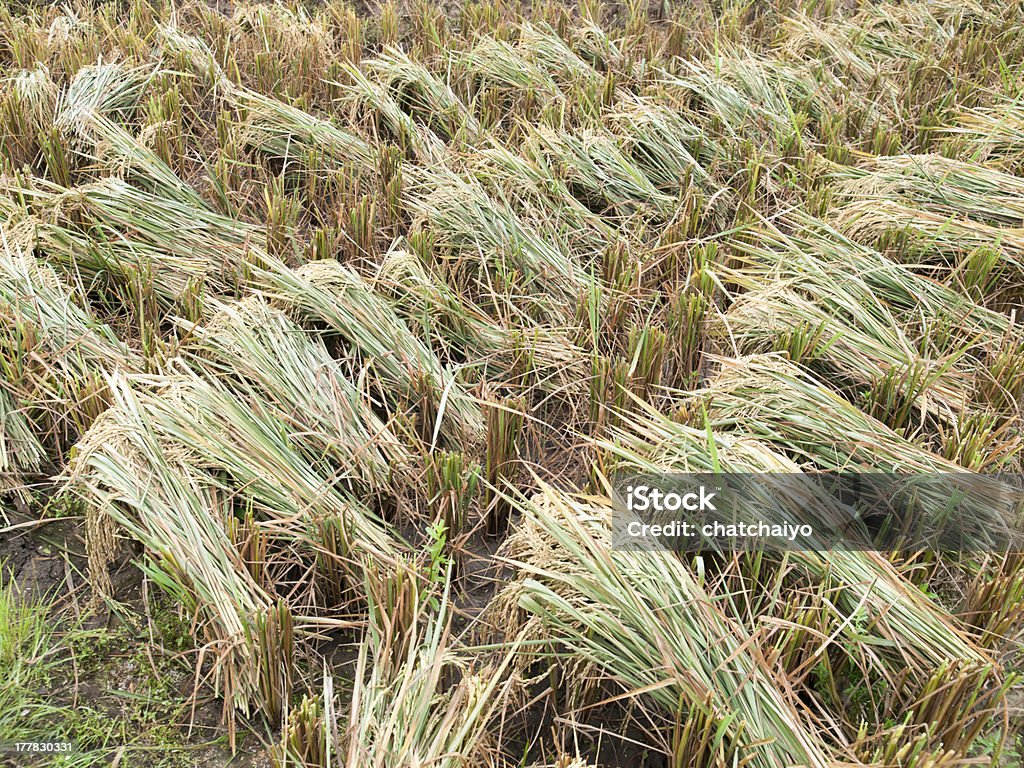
109	226
779	404
402	713
252	454
861	350
114	150
428	99
21	455
330	293
856	282
994	133
917	632
52	349
544	48
466	331
845	46
533	190
492	63
266	124
286	133
28	99
645	621
592	163
426	146
124	472
268	359
100	89
939	185
951	238
666	147
471	225
742	89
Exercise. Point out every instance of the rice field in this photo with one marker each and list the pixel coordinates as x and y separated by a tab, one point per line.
325	327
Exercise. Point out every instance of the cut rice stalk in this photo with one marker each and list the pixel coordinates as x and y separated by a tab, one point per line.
471	224
939	185
949	237
286	133
995	133
853	281
921	634
592	164
401	715
667	147
21	455
542	46
111	146
271	126
121	469
741	88
327	292
862	351
779	404
531	187
28	100
255	457
496	63
427	99
467	333
101	89
110	226
645	621
275	362
52	350
423	143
